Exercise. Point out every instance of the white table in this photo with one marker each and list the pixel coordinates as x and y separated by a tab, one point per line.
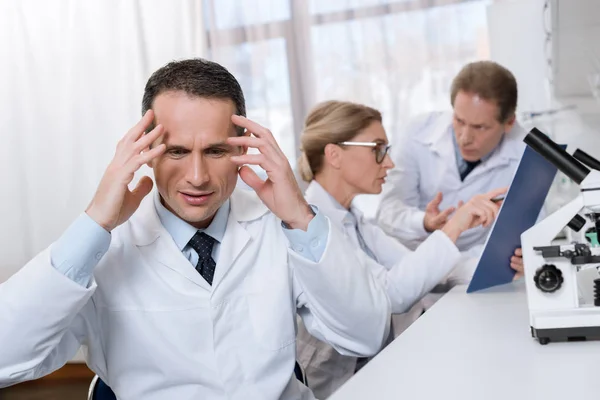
478	346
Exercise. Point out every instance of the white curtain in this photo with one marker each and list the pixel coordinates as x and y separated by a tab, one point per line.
72	75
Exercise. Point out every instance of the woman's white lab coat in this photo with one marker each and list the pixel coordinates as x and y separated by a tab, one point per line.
426	164
407	276
152	328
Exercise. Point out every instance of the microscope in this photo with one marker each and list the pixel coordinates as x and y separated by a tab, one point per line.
559	275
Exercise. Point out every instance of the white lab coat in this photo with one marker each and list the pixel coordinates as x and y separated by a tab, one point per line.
426	164
152	328
407	276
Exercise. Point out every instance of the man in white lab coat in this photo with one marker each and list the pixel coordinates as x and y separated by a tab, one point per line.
444	159
191	292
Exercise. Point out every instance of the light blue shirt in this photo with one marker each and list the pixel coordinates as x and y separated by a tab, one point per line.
84	243
182	232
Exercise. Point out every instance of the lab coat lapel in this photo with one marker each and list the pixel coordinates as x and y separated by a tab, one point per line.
157	247
164	253
245	207
317	195
235	240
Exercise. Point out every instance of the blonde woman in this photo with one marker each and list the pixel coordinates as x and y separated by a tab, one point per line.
345	152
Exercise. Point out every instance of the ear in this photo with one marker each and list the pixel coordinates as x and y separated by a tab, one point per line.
510	122
333	155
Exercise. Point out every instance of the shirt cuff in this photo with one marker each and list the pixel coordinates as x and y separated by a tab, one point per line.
79	249
311	243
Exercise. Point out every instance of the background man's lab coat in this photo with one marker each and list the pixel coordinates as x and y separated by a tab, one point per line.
426	164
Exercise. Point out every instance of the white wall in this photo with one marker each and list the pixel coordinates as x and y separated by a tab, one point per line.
72	75
517	40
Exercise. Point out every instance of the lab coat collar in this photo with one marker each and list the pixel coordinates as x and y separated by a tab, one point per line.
153	240
182	232
245	207
436	134
318	196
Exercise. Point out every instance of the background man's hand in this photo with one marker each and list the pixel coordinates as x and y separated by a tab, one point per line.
434	218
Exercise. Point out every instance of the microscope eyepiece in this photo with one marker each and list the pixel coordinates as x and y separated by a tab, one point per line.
552	152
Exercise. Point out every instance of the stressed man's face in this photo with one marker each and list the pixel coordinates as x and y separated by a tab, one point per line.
194	176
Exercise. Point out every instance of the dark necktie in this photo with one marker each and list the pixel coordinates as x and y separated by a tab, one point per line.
470	167
203	244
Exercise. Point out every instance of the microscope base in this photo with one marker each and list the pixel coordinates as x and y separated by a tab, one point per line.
571	334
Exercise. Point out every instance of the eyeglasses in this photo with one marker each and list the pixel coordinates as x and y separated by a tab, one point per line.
380	149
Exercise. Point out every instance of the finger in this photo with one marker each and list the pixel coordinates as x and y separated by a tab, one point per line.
252	127
252	142
490	216
251	178
269	149
254	159
518	275
481	218
146	157
482	215
434	204
146	140
143	187
248	141
443	216
493	207
516	260
485	203
496	192
519	262
139	128
460	204
517	267
519	252
260	132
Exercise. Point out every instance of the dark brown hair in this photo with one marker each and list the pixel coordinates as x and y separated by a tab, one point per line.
490	81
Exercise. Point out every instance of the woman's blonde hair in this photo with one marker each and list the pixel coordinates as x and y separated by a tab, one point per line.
330	122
